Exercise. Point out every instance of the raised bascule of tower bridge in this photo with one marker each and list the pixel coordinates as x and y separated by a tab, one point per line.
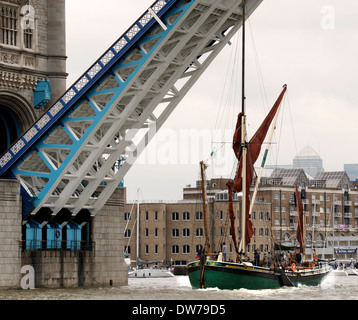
71	160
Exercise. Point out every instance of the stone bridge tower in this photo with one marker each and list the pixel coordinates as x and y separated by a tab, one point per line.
32	62
32	77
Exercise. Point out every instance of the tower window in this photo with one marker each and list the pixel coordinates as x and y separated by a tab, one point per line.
9	22
28	38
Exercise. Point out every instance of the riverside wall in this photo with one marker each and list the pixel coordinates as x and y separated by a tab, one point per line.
101	264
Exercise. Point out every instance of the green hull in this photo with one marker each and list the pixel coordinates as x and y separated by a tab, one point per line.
225	275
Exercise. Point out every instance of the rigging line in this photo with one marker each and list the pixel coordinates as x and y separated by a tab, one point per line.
126	227
279	136
221	104
293	131
259	72
134	225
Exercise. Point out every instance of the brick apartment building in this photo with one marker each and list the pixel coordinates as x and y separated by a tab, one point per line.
173	231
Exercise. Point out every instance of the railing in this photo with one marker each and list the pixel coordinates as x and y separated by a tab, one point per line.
87	80
56	245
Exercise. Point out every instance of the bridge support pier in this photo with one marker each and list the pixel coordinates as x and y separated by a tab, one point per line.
101	264
10	234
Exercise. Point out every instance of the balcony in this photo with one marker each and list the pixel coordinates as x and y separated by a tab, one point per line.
342	227
337	214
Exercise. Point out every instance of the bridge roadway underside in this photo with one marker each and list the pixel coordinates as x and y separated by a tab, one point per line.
100	264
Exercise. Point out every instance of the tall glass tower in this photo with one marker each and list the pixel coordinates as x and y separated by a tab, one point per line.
308	160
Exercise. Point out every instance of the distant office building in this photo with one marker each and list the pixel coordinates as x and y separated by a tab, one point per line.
308	160
174	231
352	171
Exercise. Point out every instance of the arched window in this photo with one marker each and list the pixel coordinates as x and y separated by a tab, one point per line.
319	241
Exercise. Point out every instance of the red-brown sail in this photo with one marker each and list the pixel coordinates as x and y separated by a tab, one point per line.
253	153
232	216
300	226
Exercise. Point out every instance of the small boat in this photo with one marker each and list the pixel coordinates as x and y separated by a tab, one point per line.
206	273
150	273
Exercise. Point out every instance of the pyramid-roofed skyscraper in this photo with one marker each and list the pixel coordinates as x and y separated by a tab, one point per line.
308	160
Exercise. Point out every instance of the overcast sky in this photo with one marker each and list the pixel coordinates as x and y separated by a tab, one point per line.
310	45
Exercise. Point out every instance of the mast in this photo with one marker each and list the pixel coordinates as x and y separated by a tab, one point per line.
204	252
202	171
242	248
137	238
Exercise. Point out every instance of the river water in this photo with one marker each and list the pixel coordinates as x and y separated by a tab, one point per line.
173	298
178	288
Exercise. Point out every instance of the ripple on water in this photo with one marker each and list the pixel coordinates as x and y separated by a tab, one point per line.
178	288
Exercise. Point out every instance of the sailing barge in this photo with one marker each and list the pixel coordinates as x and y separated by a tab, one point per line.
206	273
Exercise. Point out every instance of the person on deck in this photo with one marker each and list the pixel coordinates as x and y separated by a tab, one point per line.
257	257
224	251
298	259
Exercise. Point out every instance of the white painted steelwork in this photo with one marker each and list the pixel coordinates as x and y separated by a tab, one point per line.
118	105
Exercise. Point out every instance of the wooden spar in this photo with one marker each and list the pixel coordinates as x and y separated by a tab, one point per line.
273	127
137	235
242	248
202	171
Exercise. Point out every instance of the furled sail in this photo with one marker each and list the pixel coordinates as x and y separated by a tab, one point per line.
232	216
301	226
254	148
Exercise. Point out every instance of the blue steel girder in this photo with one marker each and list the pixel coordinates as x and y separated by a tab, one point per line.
68	158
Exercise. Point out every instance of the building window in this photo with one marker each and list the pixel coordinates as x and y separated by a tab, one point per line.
175	249
146	249
9	22
146	232
156	232
221	214
267	232
127	233
175	233
186	216
28	38
267	216
127	249
156	249
261	216
199	232
146	216
186	232
156	215
175	216
186	249
127	216
199	215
